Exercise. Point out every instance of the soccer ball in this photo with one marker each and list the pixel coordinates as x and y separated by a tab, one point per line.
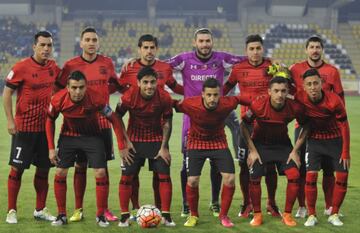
148	216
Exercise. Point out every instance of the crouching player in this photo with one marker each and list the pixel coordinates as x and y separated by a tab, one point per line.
148	134
270	143
329	139
80	132
206	139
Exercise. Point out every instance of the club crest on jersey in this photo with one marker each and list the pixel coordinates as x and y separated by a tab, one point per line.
51	73
102	70
214	66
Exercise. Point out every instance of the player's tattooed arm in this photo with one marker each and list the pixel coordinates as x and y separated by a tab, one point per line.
253	153
127	154
164	149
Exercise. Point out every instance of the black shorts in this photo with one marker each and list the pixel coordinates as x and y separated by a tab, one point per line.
277	154
221	158
29	148
90	146
146	150
243	148
326	152
106	135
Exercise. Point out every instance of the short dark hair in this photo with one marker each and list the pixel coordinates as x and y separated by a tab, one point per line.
87	29
45	34
314	38
254	38
211	83
146	71
311	72
279	80
203	31
77	76
147	37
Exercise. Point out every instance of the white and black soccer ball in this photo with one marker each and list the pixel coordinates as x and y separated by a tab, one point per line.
148	216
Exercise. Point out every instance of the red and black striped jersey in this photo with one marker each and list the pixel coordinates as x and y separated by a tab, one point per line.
270	124
100	74
328	118
207	126
253	81
146	115
328	73
165	76
34	83
80	119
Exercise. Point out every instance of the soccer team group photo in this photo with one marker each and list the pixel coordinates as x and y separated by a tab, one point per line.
264	139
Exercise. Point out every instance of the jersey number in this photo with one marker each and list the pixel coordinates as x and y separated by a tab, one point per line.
18	152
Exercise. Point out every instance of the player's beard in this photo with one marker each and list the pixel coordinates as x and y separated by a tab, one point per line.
204	55
315	60
211	105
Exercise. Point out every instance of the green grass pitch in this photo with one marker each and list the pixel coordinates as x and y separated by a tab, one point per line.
207	223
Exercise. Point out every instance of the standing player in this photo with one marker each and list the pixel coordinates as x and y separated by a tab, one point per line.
147	49
33	79
196	67
253	81
331	82
329	139
270	143
206	139
99	72
149	131
80	131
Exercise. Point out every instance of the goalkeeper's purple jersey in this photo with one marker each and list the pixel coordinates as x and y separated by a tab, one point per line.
195	71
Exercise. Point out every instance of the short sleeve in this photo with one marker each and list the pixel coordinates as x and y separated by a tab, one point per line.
14	79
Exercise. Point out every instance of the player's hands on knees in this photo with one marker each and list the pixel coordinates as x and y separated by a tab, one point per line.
53	157
252	157
130	62
346	163
294	156
127	155
12	127
164	154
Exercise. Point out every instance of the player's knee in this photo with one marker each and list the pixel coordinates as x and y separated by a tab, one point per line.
18	170
61	172
228	179
42	170
100	172
193	181
311	176
292	173
81	165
